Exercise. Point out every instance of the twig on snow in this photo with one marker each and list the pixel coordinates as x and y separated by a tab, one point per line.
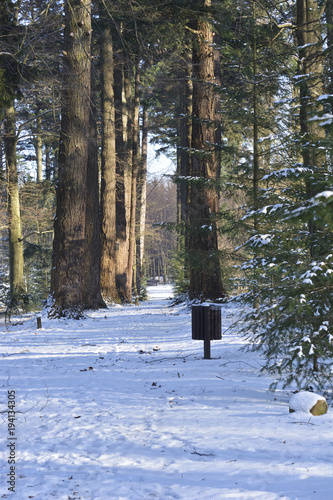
195	452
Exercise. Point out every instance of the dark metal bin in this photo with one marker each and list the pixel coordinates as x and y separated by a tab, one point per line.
206	325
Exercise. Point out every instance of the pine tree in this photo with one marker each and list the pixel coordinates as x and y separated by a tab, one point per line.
292	260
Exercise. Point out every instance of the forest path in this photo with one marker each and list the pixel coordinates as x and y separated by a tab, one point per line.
122	405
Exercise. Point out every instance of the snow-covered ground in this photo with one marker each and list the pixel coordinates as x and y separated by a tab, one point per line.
122	405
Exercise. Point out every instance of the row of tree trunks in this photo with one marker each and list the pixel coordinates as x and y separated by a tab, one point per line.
95	240
122	170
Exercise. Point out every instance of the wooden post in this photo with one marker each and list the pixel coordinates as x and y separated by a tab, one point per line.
39	322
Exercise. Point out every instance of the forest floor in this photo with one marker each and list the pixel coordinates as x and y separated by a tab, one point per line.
122	406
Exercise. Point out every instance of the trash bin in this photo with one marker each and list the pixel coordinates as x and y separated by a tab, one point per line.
206	319
206	325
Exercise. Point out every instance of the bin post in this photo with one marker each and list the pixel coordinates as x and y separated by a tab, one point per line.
207	346
207	333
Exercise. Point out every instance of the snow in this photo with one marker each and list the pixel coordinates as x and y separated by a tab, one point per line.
123	406
304	401
324	194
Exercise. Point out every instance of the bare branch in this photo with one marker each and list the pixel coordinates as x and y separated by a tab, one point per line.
35	232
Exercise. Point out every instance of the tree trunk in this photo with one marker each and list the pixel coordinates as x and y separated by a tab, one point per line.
142	198
121	213
15	230
128	117
47	162
204	261
329	22
309	38
185	127
135	166
39	146
108	171
2	163
92	288
68	272
255	178
185	141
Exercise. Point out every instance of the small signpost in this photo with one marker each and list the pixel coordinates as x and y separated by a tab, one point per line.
206	325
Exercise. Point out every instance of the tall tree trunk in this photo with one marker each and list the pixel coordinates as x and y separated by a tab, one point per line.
205	270
2	163
185	142
329	22
39	146
15	229
309	38
329	58
135	167
142	197
68	264
92	288
128	117
121	215
108	171
185	126
47	162
218	119
255	164
255	178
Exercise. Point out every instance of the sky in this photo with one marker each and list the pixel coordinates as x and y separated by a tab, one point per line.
159	165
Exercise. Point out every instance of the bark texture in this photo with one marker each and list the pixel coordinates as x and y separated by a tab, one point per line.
92	265
108	171
15	229
309	38
135	168
204	261
68	265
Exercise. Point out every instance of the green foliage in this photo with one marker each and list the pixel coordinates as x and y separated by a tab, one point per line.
289	281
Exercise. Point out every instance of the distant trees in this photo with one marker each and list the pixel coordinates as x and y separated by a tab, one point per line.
160	240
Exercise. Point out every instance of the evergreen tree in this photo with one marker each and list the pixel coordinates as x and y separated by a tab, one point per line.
292	260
